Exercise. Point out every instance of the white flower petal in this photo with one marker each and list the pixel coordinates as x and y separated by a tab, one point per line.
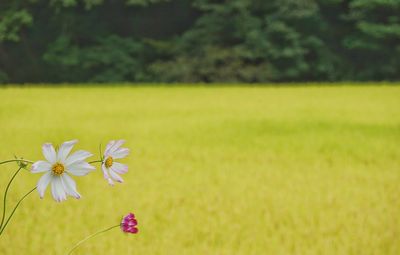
70	186
109	145
80	168
120	153
65	149
119	168
49	152
115	146
110	181
77	156
57	189
43	183
40	166
105	174
115	176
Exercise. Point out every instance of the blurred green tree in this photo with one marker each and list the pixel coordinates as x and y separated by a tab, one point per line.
374	41
199	40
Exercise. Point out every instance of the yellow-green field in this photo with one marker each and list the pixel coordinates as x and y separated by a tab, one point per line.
217	170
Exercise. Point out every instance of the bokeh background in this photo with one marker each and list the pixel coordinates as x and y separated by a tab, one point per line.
222	170
255	127
199	40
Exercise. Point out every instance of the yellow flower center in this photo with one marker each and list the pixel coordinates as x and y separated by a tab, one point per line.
108	162
58	168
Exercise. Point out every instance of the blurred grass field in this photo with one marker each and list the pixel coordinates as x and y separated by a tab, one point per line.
213	170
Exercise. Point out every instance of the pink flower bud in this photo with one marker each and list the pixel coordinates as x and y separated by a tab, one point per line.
129	224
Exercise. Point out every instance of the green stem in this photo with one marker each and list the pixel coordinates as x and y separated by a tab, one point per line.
5	197
92	235
15	208
16	160
95	161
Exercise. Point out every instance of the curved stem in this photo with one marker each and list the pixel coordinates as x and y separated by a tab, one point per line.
16	160
15	208
92	235
5	197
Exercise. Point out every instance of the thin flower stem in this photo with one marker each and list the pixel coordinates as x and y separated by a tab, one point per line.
5	196
95	161
92	235
16	160
15	208
100	150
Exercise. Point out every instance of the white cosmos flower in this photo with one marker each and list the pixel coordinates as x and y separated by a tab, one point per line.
112	169
57	167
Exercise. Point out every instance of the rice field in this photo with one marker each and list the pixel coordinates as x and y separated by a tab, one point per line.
213	170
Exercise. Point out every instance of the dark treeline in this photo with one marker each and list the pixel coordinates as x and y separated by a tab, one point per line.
199	40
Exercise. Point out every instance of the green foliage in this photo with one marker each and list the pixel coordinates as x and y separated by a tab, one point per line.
375	38
268	38
114	59
3	77
144	2
213	65
11	22
199	40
